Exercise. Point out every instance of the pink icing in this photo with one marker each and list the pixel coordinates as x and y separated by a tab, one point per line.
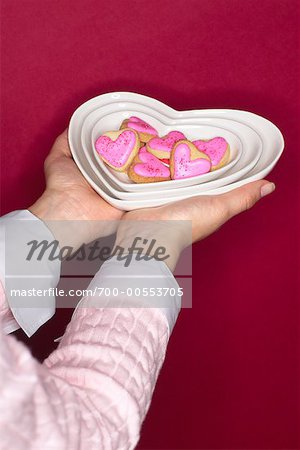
141	126
184	167
166	143
150	166
116	152
142	150
214	148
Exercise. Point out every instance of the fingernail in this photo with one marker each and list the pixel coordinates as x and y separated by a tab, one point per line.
267	189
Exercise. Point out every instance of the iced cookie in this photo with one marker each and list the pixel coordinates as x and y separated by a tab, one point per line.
217	149
161	146
187	161
145	131
146	168
118	148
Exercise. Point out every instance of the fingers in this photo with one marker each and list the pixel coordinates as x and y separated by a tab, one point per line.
245	197
61	146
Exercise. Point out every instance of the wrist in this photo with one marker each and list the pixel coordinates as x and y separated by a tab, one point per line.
153	240
68	228
52	205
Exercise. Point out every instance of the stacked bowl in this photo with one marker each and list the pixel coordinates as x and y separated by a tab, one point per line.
255	146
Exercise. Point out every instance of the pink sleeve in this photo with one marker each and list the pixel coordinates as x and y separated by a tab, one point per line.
93	391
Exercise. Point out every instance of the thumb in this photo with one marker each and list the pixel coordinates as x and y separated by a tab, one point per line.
243	198
60	146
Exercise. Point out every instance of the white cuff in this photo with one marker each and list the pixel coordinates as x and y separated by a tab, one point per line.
20	275
143	284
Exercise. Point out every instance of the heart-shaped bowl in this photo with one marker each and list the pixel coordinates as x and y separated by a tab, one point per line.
191	131
240	135
125	104
250	141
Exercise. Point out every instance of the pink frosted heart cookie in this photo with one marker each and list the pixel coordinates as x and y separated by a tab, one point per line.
145	131
161	147
118	148
146	168
217	149
187	161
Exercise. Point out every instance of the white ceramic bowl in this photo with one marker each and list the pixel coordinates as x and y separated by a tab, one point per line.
99	120
250	142
191	131
240	136
268	135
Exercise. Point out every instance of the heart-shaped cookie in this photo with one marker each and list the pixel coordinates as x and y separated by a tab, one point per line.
161	147
118	148
217	149
187	161
146	168
145	131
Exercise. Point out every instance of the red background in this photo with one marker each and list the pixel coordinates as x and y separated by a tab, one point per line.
230	377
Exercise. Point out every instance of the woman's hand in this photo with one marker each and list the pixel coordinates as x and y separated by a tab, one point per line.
69	197
177	225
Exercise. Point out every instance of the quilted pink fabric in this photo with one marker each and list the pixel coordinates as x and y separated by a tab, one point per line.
93	392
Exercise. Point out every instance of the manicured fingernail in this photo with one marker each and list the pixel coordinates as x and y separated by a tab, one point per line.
267	189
